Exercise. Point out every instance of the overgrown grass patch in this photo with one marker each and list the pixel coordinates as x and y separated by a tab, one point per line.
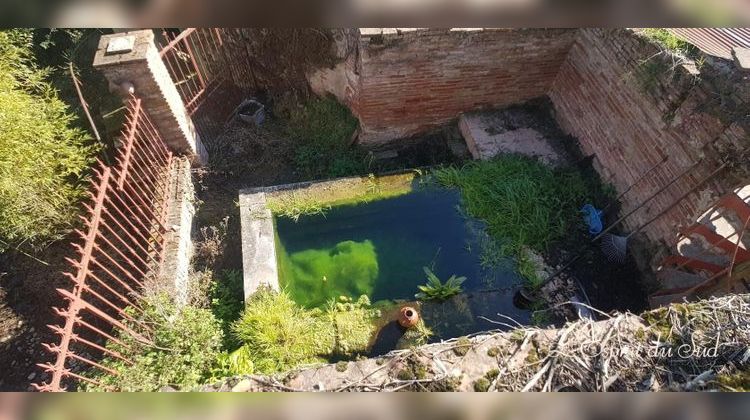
280	335
524	203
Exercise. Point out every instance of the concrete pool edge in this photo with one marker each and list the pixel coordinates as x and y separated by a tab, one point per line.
259	266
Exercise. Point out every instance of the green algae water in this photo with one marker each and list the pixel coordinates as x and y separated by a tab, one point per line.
378	249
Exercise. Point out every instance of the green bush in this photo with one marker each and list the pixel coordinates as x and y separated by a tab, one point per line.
187	344
322	129
280	335
43	159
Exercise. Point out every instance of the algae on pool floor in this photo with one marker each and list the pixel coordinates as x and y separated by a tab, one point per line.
379	248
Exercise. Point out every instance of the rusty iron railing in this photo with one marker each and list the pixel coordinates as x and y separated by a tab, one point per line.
733	249
121	246
194	59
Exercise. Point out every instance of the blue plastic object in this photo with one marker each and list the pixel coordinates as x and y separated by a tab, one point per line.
593	218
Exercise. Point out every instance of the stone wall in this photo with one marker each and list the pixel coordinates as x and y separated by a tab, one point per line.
178	245
630	105
403	82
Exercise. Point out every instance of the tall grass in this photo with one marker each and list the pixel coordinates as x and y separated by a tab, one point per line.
524	203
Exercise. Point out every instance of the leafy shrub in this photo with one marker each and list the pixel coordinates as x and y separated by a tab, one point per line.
43	157
436	289
280	335
187	344
322	129
238	362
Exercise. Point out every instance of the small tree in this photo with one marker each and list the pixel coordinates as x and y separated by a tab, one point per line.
43	158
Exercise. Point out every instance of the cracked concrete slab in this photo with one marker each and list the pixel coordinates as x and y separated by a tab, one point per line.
259	265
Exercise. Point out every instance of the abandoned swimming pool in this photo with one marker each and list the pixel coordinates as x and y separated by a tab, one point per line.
379	248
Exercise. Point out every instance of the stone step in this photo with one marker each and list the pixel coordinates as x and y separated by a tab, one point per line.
657	301
669	278
682	262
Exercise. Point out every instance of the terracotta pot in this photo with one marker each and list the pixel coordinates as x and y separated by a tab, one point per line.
408	317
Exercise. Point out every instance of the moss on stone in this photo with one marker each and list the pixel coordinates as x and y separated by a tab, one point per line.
342	366
482	384
739	381
317	198
492	374
463	345
493	351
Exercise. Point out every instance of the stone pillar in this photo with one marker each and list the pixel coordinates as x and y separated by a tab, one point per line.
131	63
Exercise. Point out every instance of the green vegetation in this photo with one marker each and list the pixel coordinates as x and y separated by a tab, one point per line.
186	346
315	276
352	323
670	42
483	384
735	382
279	335
44	158
463	345
295	204
323	129
238	362
436	289
415	336
227	301
523	202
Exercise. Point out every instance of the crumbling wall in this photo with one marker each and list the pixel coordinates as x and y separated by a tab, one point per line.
403	82
631	104
178	245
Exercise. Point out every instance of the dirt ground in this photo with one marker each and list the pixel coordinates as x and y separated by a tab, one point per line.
27	295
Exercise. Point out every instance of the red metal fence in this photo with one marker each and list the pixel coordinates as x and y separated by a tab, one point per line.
122	245
194	59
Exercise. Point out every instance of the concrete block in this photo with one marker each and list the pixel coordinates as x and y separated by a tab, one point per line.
742	58
485	141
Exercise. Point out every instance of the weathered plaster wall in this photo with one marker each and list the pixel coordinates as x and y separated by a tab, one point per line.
630	106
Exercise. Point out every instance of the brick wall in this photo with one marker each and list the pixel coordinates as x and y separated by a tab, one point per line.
630	106
144	70
401	83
